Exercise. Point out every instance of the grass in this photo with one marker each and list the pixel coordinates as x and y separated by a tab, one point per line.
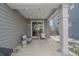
74	51
74	47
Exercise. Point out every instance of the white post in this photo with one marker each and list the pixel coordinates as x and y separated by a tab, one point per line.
64	28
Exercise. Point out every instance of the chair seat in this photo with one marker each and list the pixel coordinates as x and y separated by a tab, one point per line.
43	36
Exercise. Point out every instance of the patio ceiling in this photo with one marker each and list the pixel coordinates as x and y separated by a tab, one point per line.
35	10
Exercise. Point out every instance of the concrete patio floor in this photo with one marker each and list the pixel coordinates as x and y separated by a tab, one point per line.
39	47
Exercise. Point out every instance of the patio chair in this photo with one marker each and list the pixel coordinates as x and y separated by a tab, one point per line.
23	40
29	40
43	36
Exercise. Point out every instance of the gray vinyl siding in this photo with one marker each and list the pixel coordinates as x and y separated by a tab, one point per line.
12	26
54	25
74	21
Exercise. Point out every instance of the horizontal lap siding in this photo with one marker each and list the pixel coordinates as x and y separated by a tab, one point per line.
12	26
74	21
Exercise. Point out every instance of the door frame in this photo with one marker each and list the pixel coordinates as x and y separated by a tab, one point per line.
37	21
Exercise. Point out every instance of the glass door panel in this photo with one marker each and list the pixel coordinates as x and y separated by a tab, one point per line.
37	28
34	28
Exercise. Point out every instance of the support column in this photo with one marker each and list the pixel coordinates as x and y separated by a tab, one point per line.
64	28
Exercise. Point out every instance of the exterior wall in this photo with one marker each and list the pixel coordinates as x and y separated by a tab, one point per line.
29	27
74	21
12	26
45	27
54	25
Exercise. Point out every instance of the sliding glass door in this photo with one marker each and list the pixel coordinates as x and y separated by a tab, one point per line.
37	28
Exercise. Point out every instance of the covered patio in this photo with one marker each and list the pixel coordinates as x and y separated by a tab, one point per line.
33	15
